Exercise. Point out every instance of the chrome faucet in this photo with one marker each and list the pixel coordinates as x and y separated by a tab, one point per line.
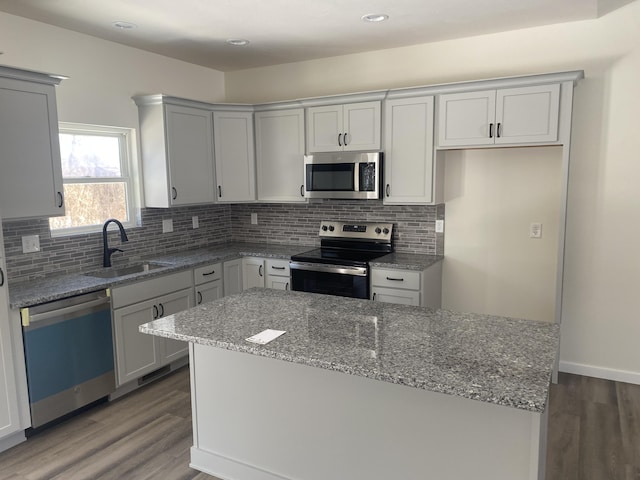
107	252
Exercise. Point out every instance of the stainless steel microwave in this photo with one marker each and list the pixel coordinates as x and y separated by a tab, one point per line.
351	175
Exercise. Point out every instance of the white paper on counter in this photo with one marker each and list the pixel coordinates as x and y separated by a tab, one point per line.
265	336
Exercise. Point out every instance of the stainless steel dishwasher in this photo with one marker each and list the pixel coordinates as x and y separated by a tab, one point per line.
68	346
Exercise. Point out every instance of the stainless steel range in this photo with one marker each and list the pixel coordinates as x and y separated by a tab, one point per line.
341	265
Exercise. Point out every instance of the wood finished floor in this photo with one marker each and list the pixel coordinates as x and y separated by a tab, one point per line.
594	434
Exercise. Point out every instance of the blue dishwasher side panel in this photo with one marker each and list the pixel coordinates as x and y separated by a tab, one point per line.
68	353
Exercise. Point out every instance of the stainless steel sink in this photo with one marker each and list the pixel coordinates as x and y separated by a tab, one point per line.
113	272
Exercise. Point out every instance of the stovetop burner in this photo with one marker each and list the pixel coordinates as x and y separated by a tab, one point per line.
353	244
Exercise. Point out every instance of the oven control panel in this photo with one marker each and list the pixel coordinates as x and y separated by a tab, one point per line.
374	231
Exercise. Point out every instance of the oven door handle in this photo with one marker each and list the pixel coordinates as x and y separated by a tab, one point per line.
325	268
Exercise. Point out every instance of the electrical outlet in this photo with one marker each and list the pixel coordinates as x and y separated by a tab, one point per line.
254	219
167	225
439	226
535	230
30	243
194	221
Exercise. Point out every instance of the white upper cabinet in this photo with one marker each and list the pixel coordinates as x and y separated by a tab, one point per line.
521	115
177	152
280	154
31	179
234	156
408	162
349	127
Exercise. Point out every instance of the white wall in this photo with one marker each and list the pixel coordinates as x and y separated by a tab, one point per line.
103	76
600	327
491	265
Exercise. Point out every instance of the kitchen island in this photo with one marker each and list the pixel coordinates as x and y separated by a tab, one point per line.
361	389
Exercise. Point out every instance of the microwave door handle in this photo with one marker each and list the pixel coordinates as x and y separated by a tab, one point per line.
356	177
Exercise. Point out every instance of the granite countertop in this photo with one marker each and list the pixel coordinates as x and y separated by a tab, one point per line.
55	287
499	360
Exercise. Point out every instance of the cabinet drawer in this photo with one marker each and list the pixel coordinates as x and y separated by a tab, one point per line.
146	289
277	267
207	273
405	279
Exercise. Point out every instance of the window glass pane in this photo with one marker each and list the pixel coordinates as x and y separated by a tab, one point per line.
89	155
92	204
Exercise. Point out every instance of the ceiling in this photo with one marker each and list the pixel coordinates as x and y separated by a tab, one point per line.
284	31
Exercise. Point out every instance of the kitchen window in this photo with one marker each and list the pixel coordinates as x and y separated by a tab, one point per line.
99	175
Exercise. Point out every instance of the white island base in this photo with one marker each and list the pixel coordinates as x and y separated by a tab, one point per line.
258	418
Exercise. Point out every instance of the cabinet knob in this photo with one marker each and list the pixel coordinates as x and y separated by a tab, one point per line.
60	200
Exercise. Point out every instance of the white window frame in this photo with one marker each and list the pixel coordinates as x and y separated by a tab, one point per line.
129	170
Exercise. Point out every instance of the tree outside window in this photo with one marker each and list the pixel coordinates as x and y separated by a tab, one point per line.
97	166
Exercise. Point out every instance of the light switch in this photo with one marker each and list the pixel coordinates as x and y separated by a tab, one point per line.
535	230
30	243
254	219
167	225
439	226
194	221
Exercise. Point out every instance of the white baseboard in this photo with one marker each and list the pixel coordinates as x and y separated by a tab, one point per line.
600	372
228	469
12	440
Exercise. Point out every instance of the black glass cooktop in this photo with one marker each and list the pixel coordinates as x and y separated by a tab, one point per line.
338	256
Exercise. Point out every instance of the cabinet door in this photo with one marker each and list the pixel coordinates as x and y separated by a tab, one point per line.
324	124
252	272
9	415
189	138
208	292
362	126
168	305
466	118
235	159
408	162
136	353
31	180
232	276
392	295
527	114
279	155
279	283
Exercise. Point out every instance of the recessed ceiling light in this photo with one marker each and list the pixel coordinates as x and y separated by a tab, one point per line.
238	42
375	17
124	25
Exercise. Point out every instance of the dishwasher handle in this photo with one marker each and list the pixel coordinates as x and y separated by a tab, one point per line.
27	318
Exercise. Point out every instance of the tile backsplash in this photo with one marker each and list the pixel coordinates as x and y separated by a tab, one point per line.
414	228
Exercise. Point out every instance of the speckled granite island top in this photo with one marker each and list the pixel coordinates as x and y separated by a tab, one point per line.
499	360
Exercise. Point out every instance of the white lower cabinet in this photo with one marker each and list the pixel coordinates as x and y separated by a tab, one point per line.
138	354
208	283
9	414
265	272
278	275
232	276
408	287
